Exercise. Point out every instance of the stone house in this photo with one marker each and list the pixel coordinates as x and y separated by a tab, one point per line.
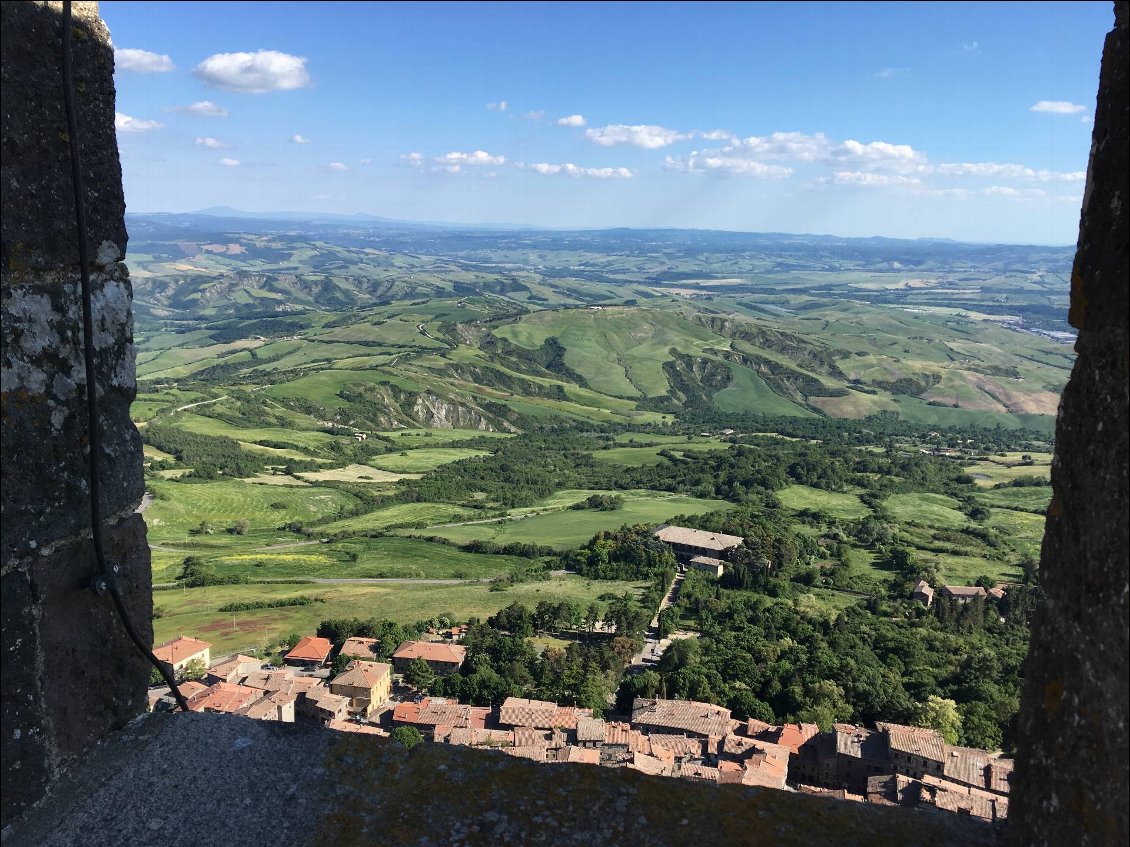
175	654
367	685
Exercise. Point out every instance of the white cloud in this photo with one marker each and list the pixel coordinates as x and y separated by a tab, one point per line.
212	143
1005	170
124	123
337	166
228	162
141	61
364	161
569	169
971	47
300	139
648	136
891	73
717	135
1087	119
869	179
414	159
202	108
711	161
878	154
479	157
795	146
1018	193
571	120
1058	107
500	106
254	73
535	115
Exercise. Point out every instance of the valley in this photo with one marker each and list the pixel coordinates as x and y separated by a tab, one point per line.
464	415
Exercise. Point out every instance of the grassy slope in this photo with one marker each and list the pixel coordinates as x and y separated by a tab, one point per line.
194	611
569	528
222	502
844	506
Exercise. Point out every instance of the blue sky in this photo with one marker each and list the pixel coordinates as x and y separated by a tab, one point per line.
961	120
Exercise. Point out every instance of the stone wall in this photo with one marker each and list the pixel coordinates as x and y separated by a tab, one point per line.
1071	777
70	675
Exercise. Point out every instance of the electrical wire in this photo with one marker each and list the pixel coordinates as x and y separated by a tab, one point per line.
106	581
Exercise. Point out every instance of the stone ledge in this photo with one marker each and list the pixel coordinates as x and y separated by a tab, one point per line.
201	778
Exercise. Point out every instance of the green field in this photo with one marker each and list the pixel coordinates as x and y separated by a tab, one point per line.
181	507
194	612
423	459
1028	498
570	528
354	473
400	514
309	439
844	506
619	351
997	469
747	392
929	509
1024	531
413	438
635	457
363	558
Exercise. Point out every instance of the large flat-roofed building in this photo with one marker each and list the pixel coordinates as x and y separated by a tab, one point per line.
687	543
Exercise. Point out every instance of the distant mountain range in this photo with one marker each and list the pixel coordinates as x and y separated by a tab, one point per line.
215	213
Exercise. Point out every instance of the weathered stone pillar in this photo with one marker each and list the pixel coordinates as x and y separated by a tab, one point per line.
70	674
1071	775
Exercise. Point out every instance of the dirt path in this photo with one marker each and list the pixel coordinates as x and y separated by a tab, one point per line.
201	403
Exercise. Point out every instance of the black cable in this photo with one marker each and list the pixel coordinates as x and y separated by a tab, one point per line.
106	581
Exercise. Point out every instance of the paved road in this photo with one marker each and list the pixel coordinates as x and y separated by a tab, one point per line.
653	645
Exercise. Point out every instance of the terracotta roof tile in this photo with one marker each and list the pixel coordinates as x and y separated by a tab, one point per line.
680	745
730	773
690	770
237	665
353	726
581	755
792	735
915	741
536	753
224	697
360	648
180	648
622	735
860	743
590	729
363	674
700	538
754	727
650	765
518	711
431	651
190	688
964	592
527	736
703	719
469	737
311	648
